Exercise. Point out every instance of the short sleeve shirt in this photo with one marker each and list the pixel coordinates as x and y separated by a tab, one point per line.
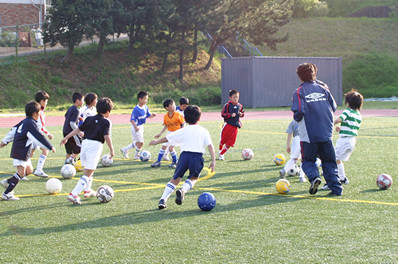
293	128
174	122
96	127
192	138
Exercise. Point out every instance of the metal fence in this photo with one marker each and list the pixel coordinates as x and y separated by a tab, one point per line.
271	81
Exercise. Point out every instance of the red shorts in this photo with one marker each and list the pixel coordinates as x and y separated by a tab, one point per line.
228	135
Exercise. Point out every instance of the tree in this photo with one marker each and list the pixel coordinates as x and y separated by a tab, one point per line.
66	24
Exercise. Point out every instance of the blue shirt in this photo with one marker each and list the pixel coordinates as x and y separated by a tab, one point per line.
313	107
140	114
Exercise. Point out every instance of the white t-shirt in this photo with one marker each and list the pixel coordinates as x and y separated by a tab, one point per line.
192	138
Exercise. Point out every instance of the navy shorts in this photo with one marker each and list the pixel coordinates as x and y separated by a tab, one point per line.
193	161
73	145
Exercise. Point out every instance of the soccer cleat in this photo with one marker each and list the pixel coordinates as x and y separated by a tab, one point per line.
24	178
156	164
333	194
282	174
9	197
40	173
137	157
73	199
173	165
345	181
162	204
89	193
314	185
180	196
302	179
166	157
325	187
125	153
220	157
70	161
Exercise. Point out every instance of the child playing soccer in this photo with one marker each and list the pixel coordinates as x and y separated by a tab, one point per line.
184	102
42	98
89	109
192	139
97	130
231	112
26	134
172	121
71	123
313	107
293	149
138	118
350	120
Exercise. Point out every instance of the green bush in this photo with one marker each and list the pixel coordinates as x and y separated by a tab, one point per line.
373	75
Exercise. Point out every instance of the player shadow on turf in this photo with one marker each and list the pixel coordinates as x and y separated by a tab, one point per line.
148	216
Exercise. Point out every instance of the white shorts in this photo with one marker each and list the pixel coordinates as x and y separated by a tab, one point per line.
23	163
138	136
295	149
91	153
344	147
168	143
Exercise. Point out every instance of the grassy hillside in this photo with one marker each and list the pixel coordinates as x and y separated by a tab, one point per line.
368	46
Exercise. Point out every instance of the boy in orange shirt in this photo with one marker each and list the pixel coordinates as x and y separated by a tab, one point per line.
172	121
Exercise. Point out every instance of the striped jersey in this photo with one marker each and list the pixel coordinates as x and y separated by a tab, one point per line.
351	122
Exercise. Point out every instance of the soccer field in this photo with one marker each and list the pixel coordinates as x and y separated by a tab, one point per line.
251	222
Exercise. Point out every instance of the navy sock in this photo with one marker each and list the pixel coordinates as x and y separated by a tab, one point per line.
12	182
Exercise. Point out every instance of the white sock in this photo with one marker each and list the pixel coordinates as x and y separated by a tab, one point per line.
81	184
341	171
188	185
129	146
168	191
40	162
289	164
137	151
302	174
166	152
89	184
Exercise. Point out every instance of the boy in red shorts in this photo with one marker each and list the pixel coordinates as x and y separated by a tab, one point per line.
231	112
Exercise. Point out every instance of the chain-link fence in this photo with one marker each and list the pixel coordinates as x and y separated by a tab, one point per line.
20	40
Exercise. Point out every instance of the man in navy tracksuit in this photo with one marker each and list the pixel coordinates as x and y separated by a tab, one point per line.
313	108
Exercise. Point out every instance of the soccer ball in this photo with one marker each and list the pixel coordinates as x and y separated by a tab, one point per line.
79	166
105	194
293	171
318	163
247	154
384	181
283	186
145	155
279	159
68	171
206	201
53	186
106	161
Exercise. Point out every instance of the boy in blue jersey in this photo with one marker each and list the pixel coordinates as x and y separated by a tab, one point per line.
313	107
72	147
138	118
26	136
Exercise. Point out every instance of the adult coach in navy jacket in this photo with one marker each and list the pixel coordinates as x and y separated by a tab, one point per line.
313	107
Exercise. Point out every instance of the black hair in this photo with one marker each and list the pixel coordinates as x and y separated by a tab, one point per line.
104	105
232	92
184	100
167	102
41	95
31	108
77	96
192	114
354	100
89	98
141	94
307	72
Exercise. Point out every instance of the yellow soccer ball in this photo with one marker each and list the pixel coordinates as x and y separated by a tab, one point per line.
279	159
79	166
283	186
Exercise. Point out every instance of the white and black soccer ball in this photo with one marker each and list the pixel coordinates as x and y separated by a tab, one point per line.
53	186
145	155
105	194
294	171
247	154
68	171
106	161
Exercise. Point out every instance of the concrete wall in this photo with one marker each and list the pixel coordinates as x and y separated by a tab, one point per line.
271	81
